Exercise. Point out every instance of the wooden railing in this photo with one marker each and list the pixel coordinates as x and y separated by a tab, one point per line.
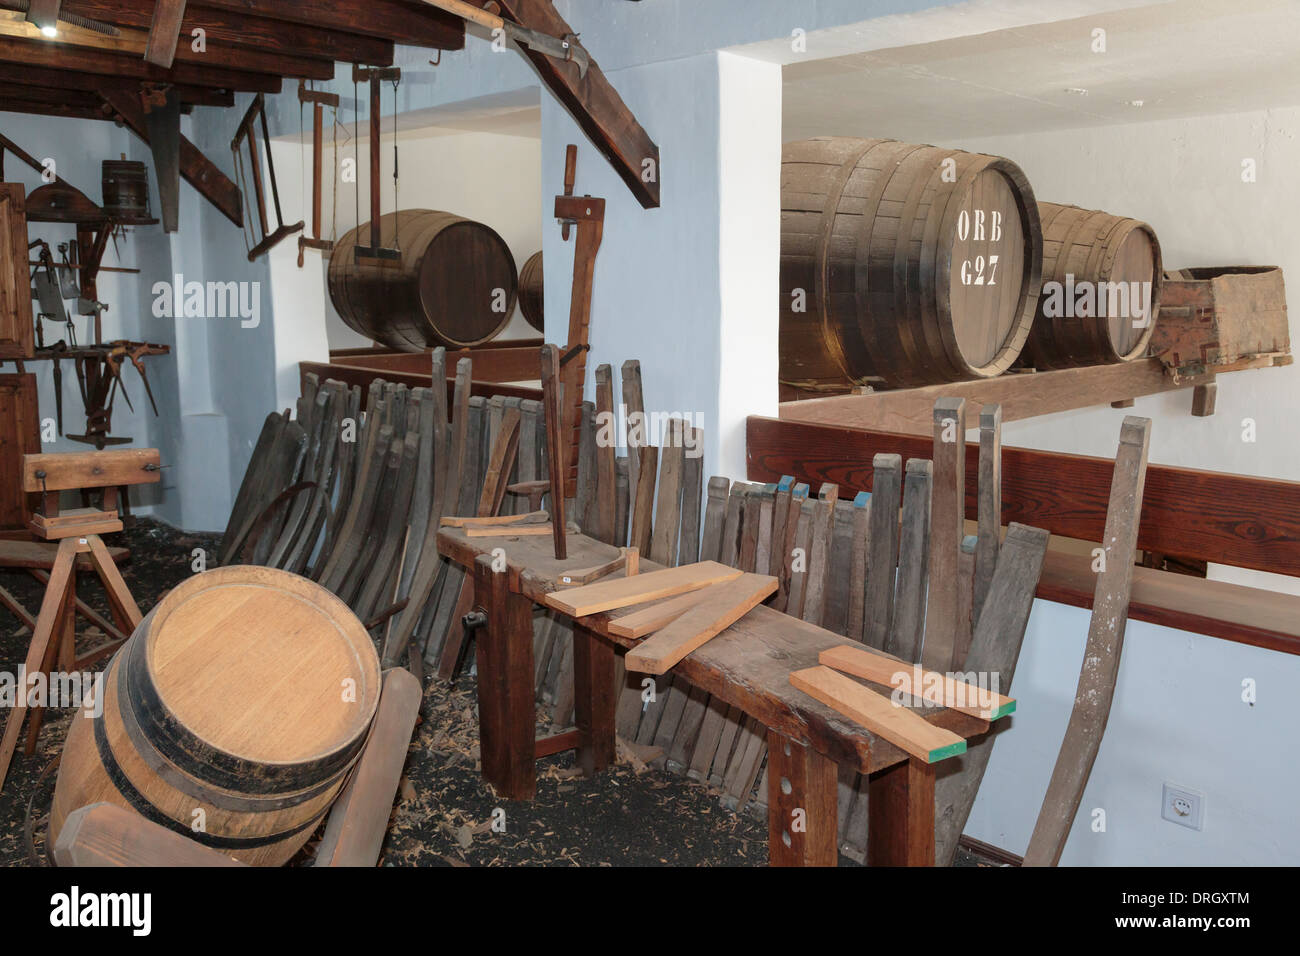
1221	518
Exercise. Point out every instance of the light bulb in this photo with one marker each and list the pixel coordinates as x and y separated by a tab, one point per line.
50	31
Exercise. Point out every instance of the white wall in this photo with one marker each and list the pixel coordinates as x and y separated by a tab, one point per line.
1178	715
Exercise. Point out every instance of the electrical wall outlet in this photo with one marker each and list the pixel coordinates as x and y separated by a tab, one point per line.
1182	806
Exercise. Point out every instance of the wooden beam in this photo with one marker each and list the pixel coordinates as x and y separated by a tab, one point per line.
164	31
133	44
100	62
1213	516
9	104
197	169
17	79
412	24
593	103
241	29
1026	395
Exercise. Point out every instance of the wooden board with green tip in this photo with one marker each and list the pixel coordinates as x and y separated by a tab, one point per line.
721	606
901	727
1101	655
933	687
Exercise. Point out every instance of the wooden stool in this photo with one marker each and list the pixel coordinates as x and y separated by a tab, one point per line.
77	532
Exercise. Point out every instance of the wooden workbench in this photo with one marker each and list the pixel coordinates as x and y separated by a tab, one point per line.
748	665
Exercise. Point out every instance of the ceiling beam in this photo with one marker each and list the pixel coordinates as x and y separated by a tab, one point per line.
196	169
83	104
85	60
592	101
39	77
387	19
45	109
164	32
241	29
133	44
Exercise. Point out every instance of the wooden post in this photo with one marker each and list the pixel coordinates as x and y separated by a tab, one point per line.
913	563
882	554
802	816
594	699
507	713
990	503
901	815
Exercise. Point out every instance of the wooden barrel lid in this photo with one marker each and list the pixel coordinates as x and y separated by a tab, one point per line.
986	283
1134	262
255	662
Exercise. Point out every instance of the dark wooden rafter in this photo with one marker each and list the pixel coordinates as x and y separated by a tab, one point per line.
241	28
101	62
196	169
592	101
21	81
415	24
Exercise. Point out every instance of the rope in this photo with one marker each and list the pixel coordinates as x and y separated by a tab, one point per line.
397	204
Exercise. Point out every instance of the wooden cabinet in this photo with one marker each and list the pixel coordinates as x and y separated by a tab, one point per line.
19	435
15	287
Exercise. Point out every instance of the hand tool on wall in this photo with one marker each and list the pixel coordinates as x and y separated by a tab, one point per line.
587	214
376	250
566	47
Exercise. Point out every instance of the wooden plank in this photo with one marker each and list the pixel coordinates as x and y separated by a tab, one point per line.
908	410
1228	519
913	563
751	505
721	606
799	554
90	469
934	687
358	819
714	515
555	447
106	835
623	503
819	557
593	103
417	25
898	725
835	612
643	510
502	522
668	510
763	547
729	553
882	555
947	528
688	730
859	529
1101	656
606	504
622	592
994	651
989	494
634	403
649	619
688	548
164	32
965	601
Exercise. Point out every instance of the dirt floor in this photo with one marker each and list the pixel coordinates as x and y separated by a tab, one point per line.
630	816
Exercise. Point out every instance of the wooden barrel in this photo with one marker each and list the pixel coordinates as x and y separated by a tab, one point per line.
531	299
231	716
1102	277
125	185
903	264
454	285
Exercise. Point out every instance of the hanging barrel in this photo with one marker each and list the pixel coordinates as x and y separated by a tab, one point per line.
903	264
241	702
531	298
125	185
1101	289
454	285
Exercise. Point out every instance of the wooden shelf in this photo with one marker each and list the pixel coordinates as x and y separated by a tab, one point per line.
1022	395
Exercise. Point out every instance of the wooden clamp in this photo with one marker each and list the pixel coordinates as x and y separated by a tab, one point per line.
376	251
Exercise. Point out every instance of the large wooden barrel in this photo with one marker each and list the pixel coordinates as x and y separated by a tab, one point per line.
454	285
531	291
1102	277
231	716
903	264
